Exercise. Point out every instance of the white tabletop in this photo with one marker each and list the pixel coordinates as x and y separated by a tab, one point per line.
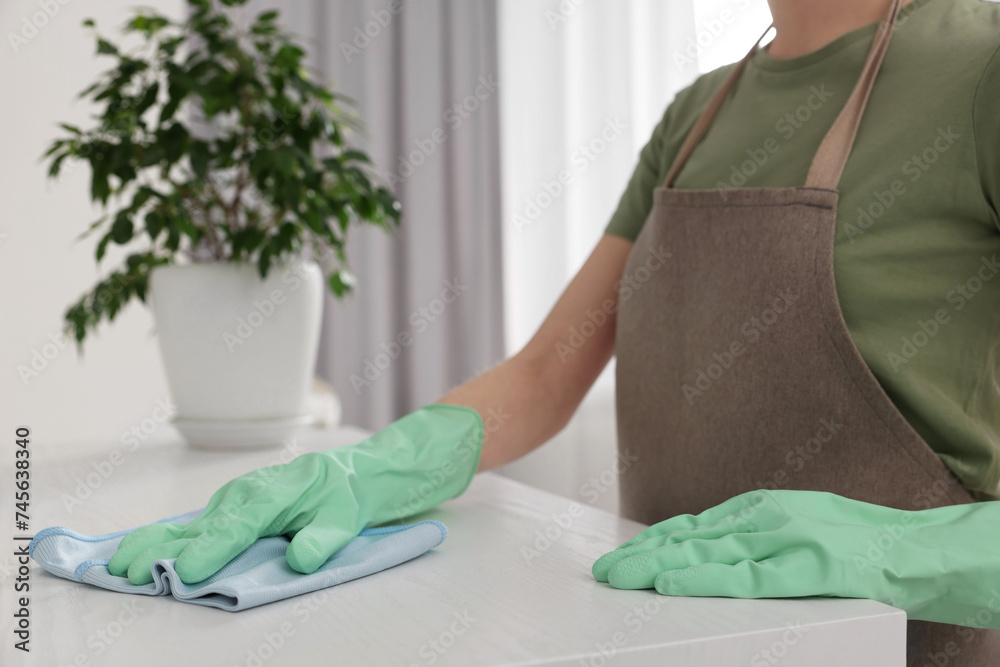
510	586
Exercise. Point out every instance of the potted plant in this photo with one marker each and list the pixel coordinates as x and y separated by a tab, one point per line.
224	171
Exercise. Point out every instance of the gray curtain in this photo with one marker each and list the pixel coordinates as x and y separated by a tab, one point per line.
427	310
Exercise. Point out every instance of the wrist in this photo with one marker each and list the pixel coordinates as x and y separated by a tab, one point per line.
419	461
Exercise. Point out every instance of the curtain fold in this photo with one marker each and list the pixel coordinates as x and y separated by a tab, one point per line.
427	311
586	83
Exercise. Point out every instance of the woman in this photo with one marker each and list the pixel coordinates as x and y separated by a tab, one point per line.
807	374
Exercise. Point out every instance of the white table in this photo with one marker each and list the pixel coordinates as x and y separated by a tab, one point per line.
481	598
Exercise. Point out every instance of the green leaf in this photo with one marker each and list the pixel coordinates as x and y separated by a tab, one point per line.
175	142
122	229
89	89
199	158
367	208
170	108
57	164
186	226
341	282
264	262
56	145
173	239
343	218
148	99
154	223
390	204
150	155
104	46
135	261
118	161
100	189
354	156
147	24
142	195
102	246
314	220
93	226
360	178
168	47
289	57
333	164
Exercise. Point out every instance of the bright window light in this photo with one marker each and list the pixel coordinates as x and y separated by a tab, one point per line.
726	29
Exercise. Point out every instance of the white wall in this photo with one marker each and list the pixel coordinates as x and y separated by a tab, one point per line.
116	383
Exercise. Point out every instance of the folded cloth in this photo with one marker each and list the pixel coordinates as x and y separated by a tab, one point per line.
257	576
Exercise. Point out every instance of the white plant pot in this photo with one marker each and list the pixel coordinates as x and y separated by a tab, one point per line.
239	352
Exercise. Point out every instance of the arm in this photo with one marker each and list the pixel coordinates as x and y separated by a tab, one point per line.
323	500
536	391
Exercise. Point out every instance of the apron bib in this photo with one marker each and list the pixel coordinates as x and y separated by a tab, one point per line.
736	370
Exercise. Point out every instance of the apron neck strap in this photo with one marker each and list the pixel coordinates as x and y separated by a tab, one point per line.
831	158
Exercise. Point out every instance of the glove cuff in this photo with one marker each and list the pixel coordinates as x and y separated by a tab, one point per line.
426	458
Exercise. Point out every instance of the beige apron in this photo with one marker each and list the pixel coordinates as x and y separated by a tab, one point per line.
736	370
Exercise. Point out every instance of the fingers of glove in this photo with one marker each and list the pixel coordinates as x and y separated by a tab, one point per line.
712	531
679	522
768	578
313	545
603	565
223	538
735	511
259	491
140	571
746	507
227	502
138	541
641	570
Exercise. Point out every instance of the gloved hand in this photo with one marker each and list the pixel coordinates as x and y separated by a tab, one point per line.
940	565
322	499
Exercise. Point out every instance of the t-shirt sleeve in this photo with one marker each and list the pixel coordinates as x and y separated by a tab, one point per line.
987	132
637	201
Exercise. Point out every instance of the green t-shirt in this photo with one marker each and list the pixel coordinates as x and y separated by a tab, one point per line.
917	253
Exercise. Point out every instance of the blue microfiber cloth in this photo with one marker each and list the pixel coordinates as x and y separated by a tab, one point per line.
257	576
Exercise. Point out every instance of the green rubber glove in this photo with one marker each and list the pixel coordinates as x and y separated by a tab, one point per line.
940	565
322	499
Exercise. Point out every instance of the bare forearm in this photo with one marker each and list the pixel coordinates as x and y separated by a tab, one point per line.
530	397
520	405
